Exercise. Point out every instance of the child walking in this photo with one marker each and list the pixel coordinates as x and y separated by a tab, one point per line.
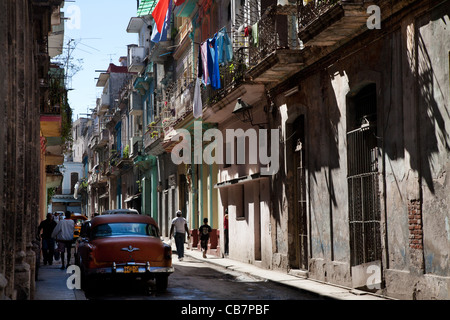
204	231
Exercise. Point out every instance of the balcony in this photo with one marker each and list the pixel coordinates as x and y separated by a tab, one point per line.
275	56
141	84
51	125
124	163
160	51
232	75
152	142
136	56
98	177
103	138
93	140
182	39
111	165
327	22
105	101
54	177
135	104
136	144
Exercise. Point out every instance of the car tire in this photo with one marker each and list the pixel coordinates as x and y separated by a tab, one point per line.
161	283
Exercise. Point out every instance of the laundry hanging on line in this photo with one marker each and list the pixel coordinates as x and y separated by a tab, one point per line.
213	52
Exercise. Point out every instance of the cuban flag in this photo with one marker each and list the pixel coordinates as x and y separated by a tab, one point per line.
159	14
160	33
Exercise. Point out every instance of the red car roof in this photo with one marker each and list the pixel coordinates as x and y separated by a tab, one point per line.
112	218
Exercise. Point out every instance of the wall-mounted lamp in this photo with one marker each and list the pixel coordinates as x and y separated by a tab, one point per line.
243	111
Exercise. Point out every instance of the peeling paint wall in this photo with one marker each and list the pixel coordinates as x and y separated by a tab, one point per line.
410	68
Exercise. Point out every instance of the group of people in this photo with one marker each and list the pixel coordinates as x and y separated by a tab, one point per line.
57	237
61	233
179	226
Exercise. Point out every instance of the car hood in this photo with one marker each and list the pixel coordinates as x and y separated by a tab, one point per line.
122	249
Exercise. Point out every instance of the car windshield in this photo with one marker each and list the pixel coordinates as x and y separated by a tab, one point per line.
124	229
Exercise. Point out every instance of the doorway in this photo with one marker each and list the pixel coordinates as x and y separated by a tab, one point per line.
300	203
363	177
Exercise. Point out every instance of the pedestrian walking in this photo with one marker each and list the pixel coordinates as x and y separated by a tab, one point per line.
204	231
48	243
179	226
225	231
63	233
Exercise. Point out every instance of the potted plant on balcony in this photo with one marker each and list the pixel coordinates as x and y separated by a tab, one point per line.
126	152
151	125
155	134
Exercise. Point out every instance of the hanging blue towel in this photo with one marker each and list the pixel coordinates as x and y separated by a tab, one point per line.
213	63
224	47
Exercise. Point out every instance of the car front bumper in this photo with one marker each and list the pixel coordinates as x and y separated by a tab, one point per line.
131	269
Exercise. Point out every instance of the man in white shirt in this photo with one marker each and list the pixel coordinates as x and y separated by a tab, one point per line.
63	233
179	224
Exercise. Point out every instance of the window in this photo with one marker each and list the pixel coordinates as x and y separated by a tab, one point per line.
363	177
124	229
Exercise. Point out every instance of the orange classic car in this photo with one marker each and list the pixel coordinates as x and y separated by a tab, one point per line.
123	246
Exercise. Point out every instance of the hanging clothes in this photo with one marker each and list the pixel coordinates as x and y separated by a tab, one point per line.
224	47
199	62
213	63
255	34
246	31
204	55
198	107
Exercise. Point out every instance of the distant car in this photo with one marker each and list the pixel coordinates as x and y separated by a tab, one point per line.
78	219
121	211
123	246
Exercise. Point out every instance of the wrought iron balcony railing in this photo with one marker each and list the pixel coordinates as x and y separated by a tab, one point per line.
309	11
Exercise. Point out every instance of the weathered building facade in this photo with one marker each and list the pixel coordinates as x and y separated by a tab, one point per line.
24	29
362	189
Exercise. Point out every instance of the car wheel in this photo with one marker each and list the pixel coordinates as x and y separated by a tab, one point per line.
161	283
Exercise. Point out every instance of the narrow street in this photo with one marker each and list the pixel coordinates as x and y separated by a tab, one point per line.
304	145
197	280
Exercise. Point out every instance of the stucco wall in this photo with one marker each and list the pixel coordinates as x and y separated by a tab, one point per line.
410	69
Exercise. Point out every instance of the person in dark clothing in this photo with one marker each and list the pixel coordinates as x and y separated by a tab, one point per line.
204	231
48	243
225	230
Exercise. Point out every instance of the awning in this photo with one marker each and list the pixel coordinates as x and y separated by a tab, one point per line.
240	180
102	78
66	200
146	7
105	195
135	25
130	198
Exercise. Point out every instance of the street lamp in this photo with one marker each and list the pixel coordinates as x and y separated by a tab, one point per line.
243	111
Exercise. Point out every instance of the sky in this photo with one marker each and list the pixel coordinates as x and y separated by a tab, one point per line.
98	29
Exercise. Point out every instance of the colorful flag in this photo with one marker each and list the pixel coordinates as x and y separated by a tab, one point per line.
160	12
157	35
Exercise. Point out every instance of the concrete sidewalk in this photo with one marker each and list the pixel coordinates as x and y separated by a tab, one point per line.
317	287
51	284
